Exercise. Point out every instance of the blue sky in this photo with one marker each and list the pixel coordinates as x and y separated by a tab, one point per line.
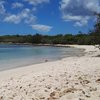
47	16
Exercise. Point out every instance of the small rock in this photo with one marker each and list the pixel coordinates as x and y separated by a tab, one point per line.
1	97
42	98
54	95
67	82
98	80
87	96
29	85
81	99
46	60
20	87
83	92
48	87
86	81
46	90
76	83
50	76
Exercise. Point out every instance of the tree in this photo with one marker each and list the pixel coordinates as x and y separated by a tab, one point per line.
37	38
97	25
95	34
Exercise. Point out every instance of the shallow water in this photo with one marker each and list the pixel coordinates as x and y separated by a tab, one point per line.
13	56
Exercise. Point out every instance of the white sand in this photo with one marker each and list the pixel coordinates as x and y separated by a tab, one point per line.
73	78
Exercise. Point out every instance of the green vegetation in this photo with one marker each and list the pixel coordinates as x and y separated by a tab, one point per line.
80	39
93	37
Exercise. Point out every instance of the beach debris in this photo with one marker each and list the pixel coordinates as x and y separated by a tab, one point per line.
48	87
98	80
54	95
93	89
67	82
86	81
46	60
83	92
42	98
81	99
46	90
76	83
50	76
83	82
88	96
68	90
1	97
20	87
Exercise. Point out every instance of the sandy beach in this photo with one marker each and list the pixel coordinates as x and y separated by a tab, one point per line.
72	78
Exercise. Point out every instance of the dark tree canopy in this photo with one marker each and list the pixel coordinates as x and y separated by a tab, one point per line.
96	32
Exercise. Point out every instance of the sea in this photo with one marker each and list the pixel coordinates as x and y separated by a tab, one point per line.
14	56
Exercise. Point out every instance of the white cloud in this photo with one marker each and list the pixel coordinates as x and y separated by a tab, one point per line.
26	14
79	20
36	2
17	5
13	19
43	28
23	16
31	19
79	11
2	8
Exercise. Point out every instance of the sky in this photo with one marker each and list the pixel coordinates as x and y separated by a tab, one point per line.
47	16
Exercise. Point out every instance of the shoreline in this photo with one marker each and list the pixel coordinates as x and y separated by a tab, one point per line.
65	79
30	44
59	59
47	59
87	53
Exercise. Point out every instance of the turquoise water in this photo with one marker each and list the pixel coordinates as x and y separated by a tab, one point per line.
13	56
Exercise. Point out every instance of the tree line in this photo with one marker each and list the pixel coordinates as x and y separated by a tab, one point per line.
91	38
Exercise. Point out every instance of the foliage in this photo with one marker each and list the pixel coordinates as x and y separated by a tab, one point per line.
45	39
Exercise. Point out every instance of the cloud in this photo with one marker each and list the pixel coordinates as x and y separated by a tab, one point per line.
17	5
43	28
79	11
2	8
36	2
13	19
22	16
31	19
